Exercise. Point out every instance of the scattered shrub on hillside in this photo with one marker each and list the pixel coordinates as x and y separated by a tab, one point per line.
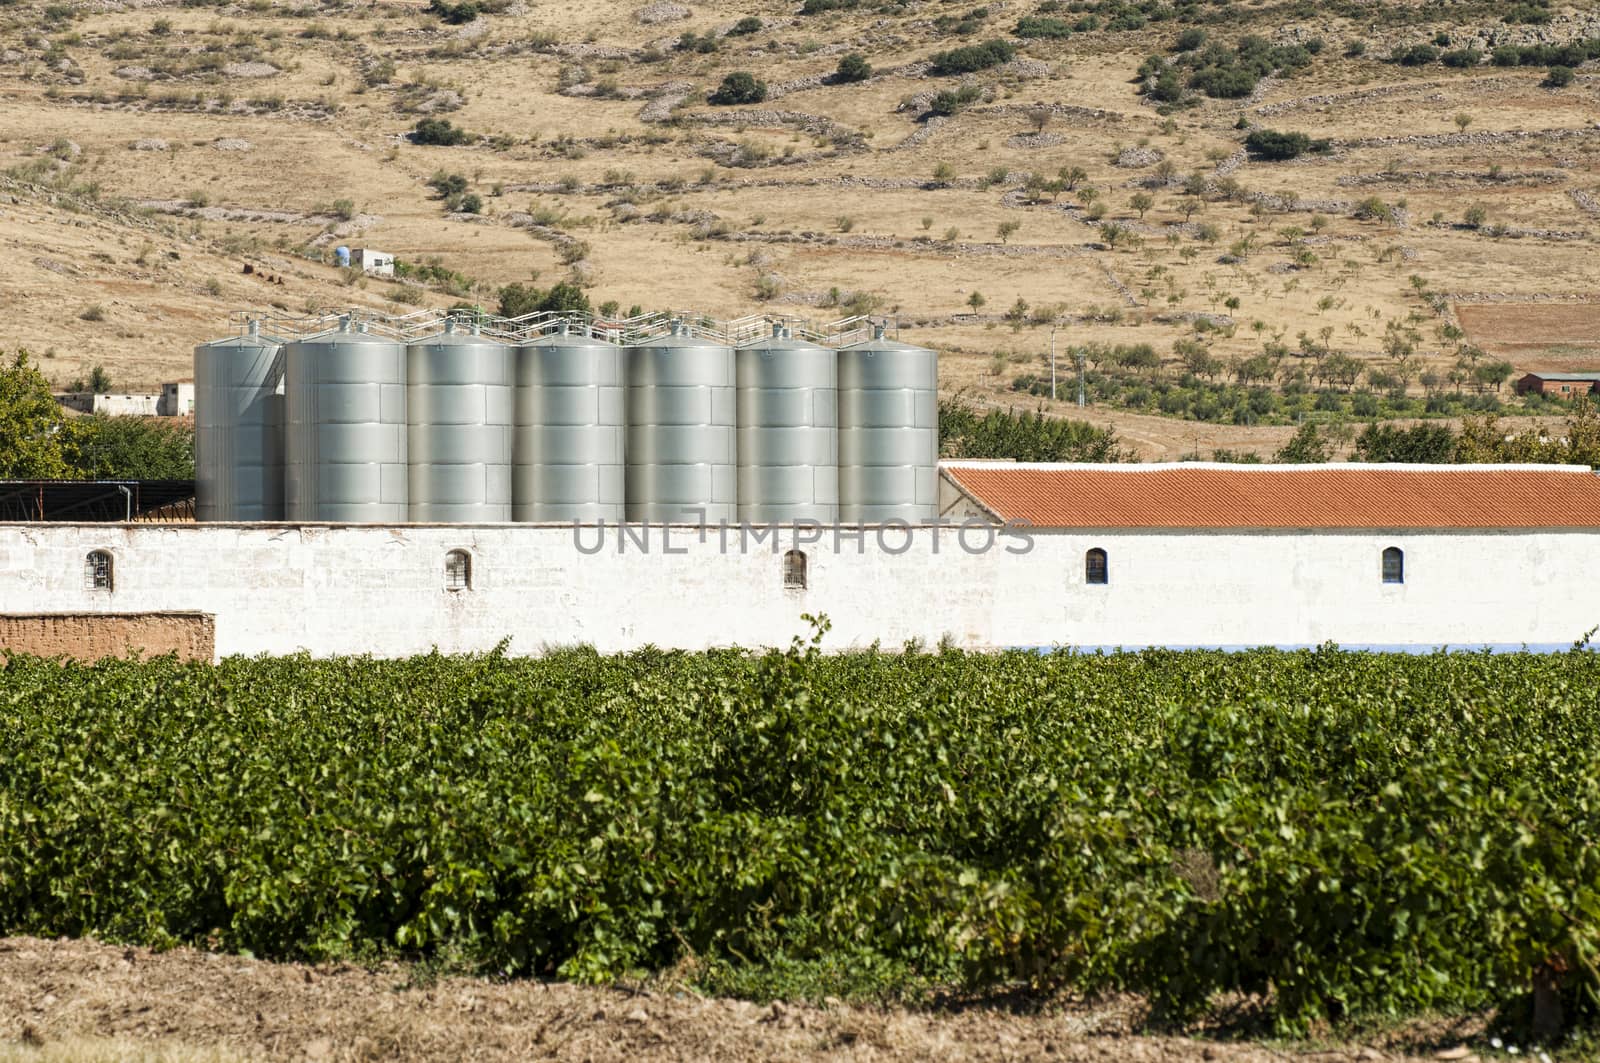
518	299
1462	58
435	274
971	58
1034	26
1414	55
1573	53
452	188
439	131
963	25
953	101
454	13
703	44
1307	447
746	26
853	67
1557	77
739	87
1272	146
1534	13
447	184
817	7
1219	71
1190	39
1373	209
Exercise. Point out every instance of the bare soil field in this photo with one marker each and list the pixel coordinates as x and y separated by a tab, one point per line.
154	150
79	1000
1554	337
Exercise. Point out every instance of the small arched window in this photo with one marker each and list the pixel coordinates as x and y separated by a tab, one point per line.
1094	566
794	570
458	571
97	571
1394	565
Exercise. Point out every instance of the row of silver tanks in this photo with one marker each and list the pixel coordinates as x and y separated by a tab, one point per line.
457	427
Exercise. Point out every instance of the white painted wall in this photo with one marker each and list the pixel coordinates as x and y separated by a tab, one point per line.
177	399
124	405
379	590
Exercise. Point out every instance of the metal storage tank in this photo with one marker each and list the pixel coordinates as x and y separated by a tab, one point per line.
238	428
888	432
570	418
681	415
458	409
788	437
345	416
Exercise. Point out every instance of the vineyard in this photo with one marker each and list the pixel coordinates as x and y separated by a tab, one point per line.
1337	834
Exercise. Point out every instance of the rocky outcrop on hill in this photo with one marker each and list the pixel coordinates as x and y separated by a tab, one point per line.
663	98
1473	140
661	11
1452	178
814	124
1138	158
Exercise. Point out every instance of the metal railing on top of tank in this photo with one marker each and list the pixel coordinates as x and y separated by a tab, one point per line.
420	324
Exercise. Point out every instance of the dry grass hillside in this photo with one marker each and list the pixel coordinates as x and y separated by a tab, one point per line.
152	151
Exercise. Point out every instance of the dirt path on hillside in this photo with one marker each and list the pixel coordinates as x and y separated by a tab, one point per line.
76	1000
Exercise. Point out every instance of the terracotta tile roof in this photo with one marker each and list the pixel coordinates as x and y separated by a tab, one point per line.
1204	495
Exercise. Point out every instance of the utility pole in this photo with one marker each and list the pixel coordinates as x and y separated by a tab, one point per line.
1080	378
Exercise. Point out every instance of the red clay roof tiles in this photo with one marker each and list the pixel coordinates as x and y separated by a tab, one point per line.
1314	496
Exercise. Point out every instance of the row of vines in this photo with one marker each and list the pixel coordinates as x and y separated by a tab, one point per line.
1337	833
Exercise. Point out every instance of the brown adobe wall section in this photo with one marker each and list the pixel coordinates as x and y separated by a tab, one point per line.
91	636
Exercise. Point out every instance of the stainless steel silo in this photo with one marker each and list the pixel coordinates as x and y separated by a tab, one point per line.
570	426
788	438
345	417
458	446
888	432
238	428
681	449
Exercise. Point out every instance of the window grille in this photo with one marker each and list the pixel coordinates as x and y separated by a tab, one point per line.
794	570
1094	566
458	571
97	571
1394	565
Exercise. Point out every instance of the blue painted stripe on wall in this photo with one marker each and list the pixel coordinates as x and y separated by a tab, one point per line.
1363	647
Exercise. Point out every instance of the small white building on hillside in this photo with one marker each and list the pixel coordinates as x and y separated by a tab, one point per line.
112	403
375	263
177	399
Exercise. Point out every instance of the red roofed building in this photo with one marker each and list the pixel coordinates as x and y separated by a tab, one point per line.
1194	495
1200	554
